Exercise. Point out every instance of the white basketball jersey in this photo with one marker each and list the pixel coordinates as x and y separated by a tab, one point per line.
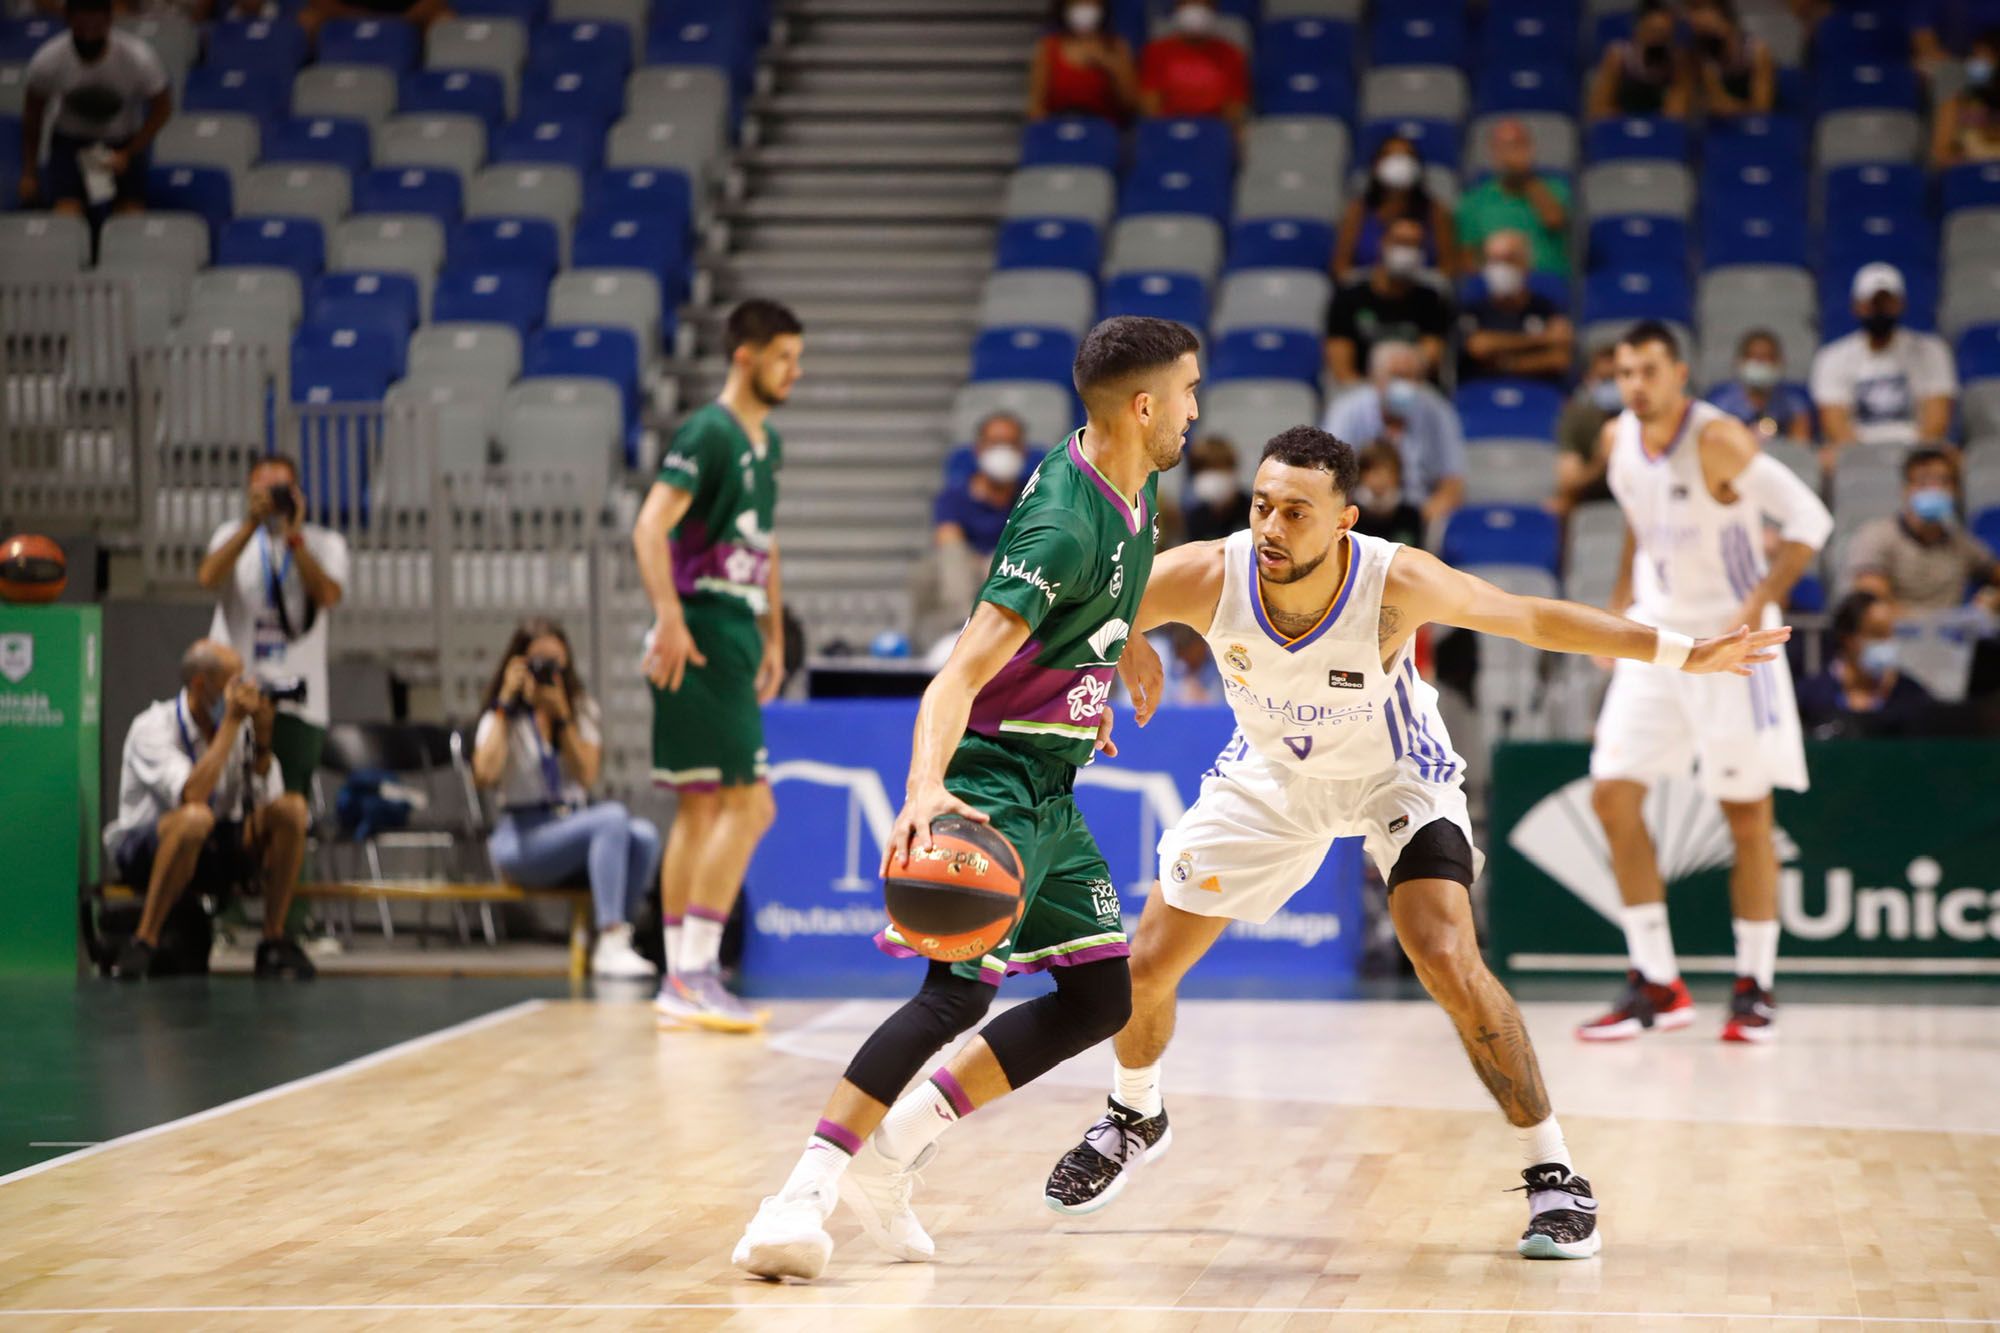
1322	704
1694	558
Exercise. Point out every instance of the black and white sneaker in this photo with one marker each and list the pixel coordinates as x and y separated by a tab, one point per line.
1562	1214
1091	1174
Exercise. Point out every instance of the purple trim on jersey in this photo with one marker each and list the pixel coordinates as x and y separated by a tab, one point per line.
1134	519
1687	410
695	557
1395	733
1326	622
1417	748
1020	691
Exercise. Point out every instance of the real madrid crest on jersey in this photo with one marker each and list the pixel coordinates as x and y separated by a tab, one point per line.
1238	657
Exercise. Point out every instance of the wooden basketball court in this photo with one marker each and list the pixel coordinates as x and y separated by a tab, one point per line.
562	1165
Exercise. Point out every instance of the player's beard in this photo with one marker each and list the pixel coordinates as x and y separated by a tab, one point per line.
1295	571
1163	451
763	392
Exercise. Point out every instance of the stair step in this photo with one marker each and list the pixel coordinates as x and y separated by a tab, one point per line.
948	28
949	53
888	103
1030	10
827	451
945	135
861	513
884	481
944	185
848	573
812	540
939	161
889	394
765	236
834	284
988	79
833	208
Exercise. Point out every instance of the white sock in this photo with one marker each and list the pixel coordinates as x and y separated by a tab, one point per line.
701	944
825	1157
920	1116
673	946
1650	941
1757	951
1543	1143
1138	1088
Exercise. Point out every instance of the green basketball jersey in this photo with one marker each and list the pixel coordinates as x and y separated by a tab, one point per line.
1072	561
722	545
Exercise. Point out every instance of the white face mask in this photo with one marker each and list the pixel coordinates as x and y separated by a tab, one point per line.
1213	487
1398	171
1195	20
1084	19
1402	260
1001	463
1504	280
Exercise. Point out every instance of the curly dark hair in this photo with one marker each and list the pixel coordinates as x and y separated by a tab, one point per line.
1309	446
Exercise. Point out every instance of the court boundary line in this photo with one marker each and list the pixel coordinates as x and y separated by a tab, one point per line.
1276	1311
313	1080
1796	966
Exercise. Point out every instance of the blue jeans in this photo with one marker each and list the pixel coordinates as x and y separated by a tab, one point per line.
544	849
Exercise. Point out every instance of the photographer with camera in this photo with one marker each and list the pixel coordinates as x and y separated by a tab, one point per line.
277	576
202	799
538	747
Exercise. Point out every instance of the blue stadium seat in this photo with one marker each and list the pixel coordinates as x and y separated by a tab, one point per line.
1861	35
1267	354
432	191
1020	353
1638	293
340	363
1314	46
1872	188
629	190
388	42
1808	595
1874	87
1635	242
1167	188
1730	237
1836	308
1536	85
1895	238
1065	243
1501	535
721	45
516	297
1070	141
266	44
1606	28
588	351
1204	146
294	243
21	38
1176	296
1758	191
656	243
1979	352
338	142
1281	243
530	13
264	92
570	142
1437	141
466	92
388	301
203	190
1528	32
1418	32
1986	527
1305	93
1775	141
1643	138
1971	185
567	94
496	243
1504	409
597	50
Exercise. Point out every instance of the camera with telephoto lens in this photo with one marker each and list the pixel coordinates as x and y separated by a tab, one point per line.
291	691
281	499
545	670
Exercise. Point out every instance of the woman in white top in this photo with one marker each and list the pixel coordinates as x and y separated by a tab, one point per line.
539	749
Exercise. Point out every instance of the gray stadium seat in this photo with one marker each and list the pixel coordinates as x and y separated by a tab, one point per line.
246	326
173	242
1802	459
1971	296
13	87
1047	410
173	38
1780	30
515	190
467	413
1509	472
1846	138
1867	484
1273	298
1165	243
1979	404
1314	144
254	287
1083	193
1660	189
1777	287
623	298
1596	541
451	142
643	141
40	246
1972	235
296	190
359	92
496	44
230	140
564	427
1295	194
1434	92
630	13
1048	298
679	93
1345	10
1554	135
390	242
486	353
1982	475
1249	412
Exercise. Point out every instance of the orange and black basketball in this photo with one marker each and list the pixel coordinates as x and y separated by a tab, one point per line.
32	569
959	899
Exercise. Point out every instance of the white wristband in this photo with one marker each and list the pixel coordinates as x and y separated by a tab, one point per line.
1671	650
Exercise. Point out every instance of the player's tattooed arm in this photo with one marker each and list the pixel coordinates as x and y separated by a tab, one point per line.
1391	625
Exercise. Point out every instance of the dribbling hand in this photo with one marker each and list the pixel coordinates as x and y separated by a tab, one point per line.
1736	652
911	832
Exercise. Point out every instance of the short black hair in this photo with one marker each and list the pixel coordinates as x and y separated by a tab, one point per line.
757	321
279	460
1924	454
1754	335
86	6
1652	331
1126	345
1309	446
1847	617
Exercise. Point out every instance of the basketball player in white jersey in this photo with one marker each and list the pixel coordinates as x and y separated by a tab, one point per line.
1696	491
1337	735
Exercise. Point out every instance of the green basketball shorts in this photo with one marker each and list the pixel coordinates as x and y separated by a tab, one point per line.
710	732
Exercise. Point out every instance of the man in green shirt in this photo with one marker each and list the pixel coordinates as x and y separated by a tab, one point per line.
716	654
1515	198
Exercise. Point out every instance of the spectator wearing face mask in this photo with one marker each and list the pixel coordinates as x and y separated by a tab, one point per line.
1215	504
1080	69
108	96
1385	511
1580	456
1192	71
1967	127
1760	397
1396	408
967	520
1862	691
1510	330
1395	192
1646	76
1391	304
1921	559
1516	197
1882	384
1735	72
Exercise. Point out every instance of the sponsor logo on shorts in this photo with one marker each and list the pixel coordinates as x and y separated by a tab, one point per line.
1183	867
1034	578
1345	680
1210	885
1104	901
1399	823
1238	657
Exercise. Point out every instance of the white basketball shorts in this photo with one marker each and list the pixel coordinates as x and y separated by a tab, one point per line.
1740	735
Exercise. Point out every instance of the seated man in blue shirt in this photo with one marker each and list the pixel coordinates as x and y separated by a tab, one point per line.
1760	397
968	516
1397	409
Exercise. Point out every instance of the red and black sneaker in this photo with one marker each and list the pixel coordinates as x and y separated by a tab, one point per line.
1753	1013
1643	1006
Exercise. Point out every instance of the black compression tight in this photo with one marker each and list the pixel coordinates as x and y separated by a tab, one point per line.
945	1007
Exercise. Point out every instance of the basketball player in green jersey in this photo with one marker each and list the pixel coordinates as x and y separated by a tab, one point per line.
716	653
1002	730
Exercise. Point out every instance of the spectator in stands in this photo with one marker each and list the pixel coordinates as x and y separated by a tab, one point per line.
201	798
1395	193
276	577
1080	68
1516	198
1646	76
1399	409
1967	126
1193	71
1385	511
967	519
1735	72
1580	455
1392	303
110	96
1760	396
1216	504
1512	330
1882	384
1862	692
422	13
1921	559
540	749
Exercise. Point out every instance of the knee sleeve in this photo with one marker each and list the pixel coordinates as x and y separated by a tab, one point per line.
947	1006
1438	850
1091	1003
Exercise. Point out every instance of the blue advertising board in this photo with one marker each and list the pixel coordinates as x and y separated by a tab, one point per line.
838	769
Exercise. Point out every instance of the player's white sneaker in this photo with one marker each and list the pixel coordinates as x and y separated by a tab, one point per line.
614	955
787	1237
1562	1214
715	1008
878	1190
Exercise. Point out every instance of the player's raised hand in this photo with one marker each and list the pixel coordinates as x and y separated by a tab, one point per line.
1140	668
1737	651
911	832
670	648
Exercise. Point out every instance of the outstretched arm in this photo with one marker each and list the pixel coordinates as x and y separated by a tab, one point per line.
1183	588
